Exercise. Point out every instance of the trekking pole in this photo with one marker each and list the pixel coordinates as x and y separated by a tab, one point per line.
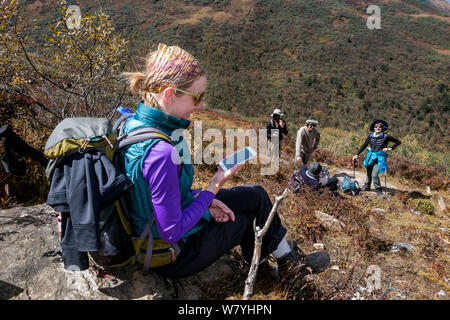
385	177
354	163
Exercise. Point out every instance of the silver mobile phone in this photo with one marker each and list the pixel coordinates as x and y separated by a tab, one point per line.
241	156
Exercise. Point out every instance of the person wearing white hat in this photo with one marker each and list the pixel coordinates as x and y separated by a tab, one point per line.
308	139
276	127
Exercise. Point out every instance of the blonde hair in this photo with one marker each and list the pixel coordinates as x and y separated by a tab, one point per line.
165	67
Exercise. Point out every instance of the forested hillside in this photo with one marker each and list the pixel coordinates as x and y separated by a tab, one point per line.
309	58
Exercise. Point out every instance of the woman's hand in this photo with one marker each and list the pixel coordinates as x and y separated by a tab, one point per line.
355	157
387	149
219	179
220	212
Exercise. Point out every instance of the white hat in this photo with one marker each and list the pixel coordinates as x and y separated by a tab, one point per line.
278	112
312	121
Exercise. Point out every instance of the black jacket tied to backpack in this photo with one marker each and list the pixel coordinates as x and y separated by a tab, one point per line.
82	186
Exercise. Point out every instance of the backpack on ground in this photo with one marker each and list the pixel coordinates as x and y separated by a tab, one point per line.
118	245
350	186
296	182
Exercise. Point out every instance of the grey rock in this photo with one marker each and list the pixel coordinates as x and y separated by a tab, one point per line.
441	293
402	246
416	212
27	233
329	222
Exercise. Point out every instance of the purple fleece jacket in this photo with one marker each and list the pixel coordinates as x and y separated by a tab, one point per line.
162	175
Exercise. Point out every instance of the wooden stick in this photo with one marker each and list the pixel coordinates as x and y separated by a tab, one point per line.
259	234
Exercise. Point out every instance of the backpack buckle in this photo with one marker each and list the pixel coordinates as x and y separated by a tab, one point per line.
172	252
83	147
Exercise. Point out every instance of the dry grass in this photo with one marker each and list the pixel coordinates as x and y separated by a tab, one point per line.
372	226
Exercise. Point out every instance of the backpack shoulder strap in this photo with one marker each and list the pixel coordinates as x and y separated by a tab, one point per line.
135	136
139	135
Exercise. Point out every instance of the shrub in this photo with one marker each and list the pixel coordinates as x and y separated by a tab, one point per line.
306	202
425	207
322	155
419	173
437	183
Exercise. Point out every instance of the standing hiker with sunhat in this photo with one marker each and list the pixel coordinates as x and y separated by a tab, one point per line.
276	127
375	161
308	139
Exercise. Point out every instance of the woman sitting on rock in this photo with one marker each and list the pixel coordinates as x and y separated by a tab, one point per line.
375	161
206	224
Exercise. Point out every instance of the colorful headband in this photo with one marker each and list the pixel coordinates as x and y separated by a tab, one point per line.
171	66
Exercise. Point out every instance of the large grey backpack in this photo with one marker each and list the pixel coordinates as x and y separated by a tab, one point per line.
119	245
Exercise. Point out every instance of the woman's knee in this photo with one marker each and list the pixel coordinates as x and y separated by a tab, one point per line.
259	189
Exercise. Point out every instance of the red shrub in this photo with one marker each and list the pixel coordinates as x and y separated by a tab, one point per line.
323	156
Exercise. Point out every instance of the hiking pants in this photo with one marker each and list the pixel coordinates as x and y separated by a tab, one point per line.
305	157
215	239
372	175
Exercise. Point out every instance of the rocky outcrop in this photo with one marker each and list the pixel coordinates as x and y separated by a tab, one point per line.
329	222
27	233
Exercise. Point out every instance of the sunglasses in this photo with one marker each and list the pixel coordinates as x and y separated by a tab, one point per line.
198	97
311	125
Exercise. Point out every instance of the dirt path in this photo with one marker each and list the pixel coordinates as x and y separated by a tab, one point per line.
426	15
361	178
440	200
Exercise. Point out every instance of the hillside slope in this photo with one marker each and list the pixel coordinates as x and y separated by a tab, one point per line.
307	57
370	232
405	236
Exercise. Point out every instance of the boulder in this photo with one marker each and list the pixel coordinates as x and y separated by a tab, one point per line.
329	222
26	233
441	204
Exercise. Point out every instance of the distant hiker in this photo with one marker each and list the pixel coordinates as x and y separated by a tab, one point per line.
205	223
375	161
276	127
308	139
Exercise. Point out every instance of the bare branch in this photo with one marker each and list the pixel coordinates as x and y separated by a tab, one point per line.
34	67
35	101
259	234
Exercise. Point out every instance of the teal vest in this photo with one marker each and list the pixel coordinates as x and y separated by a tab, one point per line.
139	196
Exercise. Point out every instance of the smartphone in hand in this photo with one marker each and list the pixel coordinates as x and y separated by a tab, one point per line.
241	156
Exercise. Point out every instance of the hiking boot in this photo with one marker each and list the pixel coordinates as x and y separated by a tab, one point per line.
366	187
295	264
266	270
379	192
